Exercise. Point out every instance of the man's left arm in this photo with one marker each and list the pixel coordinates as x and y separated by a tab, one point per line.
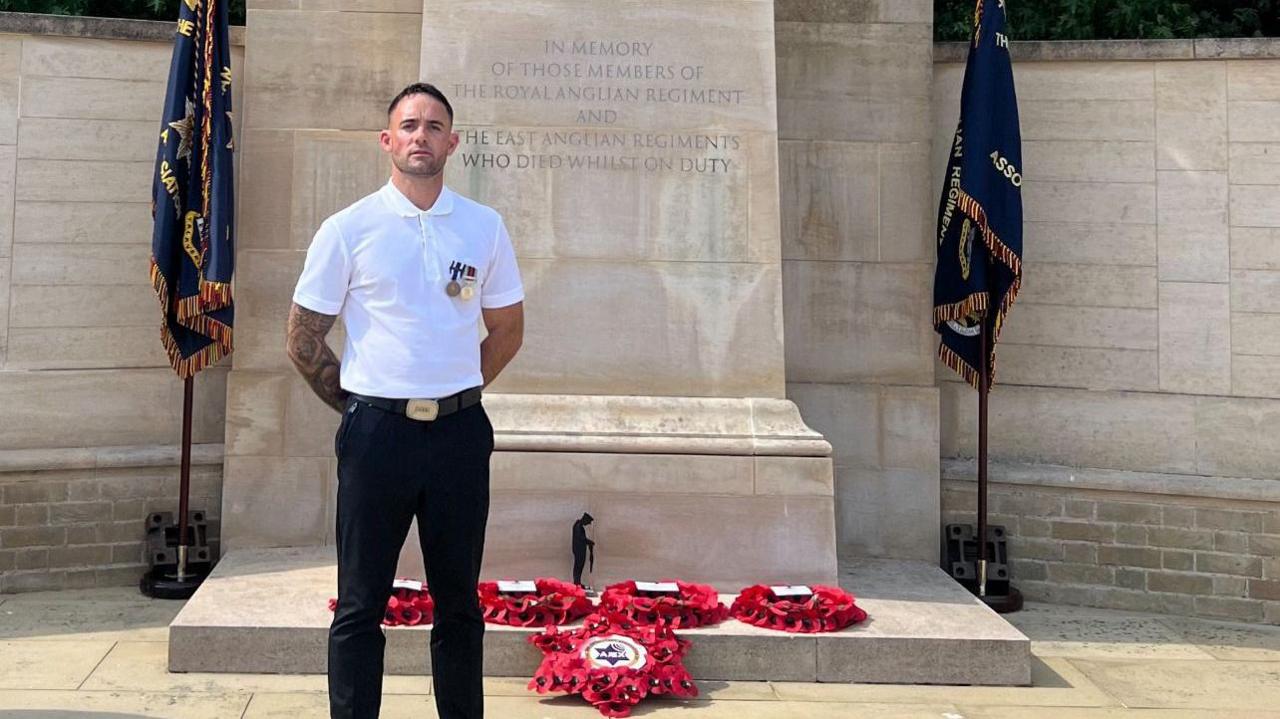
506	334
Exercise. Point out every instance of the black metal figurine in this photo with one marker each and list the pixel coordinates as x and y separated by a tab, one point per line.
583	547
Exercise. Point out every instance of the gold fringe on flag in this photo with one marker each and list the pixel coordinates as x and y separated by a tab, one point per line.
958	365
191	312
975	303
979	301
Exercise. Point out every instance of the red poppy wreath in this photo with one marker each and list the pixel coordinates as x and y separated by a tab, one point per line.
409	605
554	602
689	606
613	663
824	609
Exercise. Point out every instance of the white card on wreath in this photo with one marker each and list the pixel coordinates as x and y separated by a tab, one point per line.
412	585
669	587
509	587
791	590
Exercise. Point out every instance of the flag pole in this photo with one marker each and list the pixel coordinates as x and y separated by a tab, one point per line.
984	388
192	261
184	477
165	580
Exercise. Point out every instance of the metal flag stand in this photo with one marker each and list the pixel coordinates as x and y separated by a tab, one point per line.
178	577
1011	599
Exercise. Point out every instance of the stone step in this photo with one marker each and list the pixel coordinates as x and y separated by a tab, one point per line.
266	611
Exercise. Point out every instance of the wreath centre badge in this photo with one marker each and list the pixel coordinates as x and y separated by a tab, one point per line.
615	651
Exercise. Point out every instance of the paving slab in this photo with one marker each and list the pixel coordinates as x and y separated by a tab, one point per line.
291	706
49	665
576	708
1229	640
972	712
266	611
142	667
111	618
1232	688
1054	682
35	704
1098	634
90	594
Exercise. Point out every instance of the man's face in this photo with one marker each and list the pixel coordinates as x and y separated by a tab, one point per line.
419	136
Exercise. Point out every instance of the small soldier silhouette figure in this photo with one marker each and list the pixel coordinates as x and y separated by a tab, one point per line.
583	547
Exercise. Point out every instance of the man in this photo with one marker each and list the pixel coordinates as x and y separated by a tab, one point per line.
412	269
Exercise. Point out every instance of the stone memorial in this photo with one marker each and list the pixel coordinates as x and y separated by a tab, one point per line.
632	150
632	147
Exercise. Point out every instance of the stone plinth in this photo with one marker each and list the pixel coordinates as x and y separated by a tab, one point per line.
715	490
266	611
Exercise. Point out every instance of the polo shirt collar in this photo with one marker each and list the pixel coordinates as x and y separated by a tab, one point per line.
404	207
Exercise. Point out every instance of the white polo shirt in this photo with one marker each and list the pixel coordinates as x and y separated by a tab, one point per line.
385	266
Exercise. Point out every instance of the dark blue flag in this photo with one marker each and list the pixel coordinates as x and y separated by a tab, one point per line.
192	255
980	218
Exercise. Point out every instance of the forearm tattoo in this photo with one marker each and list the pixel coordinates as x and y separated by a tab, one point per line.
312	356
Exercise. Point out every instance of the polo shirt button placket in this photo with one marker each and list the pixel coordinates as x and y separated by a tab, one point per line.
428	264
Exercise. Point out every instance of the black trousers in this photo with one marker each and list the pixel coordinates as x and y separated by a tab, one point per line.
390	470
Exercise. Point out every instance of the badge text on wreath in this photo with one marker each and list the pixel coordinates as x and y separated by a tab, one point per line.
614	651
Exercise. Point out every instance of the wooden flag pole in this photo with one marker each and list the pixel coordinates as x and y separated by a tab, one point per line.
984	388
184	477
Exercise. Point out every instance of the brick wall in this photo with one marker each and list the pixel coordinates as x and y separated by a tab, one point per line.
82	528
1176	555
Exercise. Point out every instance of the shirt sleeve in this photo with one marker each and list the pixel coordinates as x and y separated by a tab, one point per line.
326	275
502	285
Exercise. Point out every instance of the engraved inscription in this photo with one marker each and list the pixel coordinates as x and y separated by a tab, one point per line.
599	82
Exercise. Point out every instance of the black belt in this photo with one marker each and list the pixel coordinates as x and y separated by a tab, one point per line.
425	410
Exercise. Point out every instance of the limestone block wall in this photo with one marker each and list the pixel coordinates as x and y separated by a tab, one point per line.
318	79
92	413
1144	352
854	84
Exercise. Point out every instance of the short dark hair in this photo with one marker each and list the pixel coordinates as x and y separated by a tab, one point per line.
421	88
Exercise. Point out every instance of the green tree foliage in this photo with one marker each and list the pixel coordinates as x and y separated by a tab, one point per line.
136	9
1117	19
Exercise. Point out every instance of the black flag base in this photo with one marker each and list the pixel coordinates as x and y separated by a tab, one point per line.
164	583
1004	603
964	566
177	568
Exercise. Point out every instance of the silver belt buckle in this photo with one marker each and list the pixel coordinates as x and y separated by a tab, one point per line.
423	410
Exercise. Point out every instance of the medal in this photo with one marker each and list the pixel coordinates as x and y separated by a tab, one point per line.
453	289
465	289
469	280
